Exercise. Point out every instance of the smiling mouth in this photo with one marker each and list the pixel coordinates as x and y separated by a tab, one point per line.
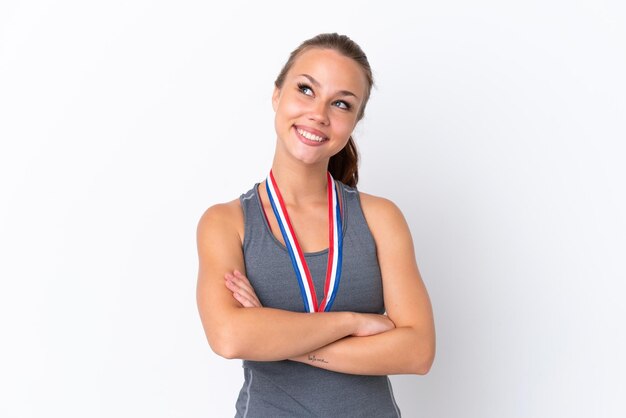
310	136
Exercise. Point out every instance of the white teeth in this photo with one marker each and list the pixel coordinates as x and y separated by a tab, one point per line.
310	136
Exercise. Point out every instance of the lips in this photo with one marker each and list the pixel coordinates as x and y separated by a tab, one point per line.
311	134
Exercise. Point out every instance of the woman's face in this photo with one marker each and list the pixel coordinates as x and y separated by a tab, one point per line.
318	104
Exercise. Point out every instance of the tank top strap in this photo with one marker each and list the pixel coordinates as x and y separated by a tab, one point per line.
255	224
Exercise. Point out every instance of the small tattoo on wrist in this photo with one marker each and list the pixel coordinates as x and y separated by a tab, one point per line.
313	358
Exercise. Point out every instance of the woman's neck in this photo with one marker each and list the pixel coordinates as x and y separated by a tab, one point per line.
300	183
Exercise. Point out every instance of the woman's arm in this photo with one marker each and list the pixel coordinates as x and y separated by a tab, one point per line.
410	347
379	354
258	333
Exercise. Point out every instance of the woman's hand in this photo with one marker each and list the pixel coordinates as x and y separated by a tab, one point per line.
372	324
242	289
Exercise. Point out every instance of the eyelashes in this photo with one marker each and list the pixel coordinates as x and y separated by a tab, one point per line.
303	87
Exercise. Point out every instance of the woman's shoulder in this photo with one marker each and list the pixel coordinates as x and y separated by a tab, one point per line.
377	204
380	212
223	210
222	218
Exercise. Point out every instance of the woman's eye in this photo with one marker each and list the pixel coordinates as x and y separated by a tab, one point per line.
343	105
305	89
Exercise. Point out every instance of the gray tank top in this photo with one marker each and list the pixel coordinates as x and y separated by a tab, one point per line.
275	389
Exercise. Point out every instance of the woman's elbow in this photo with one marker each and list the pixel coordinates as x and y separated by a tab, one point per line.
222	333
423	360
224	350
223	344
423	367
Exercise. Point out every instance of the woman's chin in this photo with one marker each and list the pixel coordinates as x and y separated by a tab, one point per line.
308	160
308	155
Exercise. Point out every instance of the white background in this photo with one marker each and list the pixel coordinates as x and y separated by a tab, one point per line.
497	127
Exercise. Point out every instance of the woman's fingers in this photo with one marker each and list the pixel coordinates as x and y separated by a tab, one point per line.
234	287
247	303
239	275
242	289
245	284
240	295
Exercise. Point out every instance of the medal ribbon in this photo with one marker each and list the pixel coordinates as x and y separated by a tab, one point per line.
300	267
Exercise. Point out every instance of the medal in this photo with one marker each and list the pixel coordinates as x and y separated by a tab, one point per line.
300	267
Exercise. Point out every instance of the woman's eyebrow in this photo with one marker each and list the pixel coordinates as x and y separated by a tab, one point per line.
316	83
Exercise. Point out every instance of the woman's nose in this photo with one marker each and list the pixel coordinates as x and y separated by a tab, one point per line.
319	113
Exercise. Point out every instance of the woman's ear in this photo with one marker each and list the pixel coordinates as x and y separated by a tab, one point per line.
275	98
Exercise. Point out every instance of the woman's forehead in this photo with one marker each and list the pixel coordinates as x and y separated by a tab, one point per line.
331	69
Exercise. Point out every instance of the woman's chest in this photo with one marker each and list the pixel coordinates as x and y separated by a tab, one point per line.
271	273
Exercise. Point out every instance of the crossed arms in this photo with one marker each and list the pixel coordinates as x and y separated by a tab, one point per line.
237	326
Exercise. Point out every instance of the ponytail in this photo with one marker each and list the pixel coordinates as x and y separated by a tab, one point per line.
343	166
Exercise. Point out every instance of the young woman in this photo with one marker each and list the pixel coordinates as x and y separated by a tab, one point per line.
311	282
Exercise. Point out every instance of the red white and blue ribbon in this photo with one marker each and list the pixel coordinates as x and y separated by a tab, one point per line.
335	246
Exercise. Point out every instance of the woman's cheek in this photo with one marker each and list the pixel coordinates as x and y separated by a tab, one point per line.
346	126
